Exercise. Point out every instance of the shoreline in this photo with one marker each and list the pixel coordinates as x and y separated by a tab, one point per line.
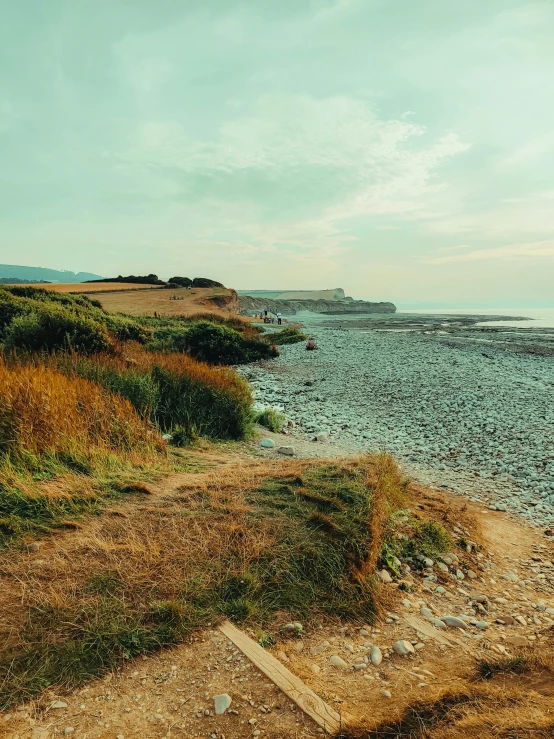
458	414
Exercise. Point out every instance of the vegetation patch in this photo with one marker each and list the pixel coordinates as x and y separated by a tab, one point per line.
254	545
173	391
288	335
271	419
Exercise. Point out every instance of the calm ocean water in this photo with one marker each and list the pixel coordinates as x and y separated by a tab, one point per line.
541	317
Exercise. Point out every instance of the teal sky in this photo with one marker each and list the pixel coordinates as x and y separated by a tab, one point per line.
397	148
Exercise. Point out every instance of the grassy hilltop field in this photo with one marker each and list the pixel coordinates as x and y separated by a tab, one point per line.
138	511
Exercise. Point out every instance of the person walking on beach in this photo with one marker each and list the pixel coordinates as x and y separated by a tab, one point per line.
279	319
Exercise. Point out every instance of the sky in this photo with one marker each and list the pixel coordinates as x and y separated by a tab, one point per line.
397	149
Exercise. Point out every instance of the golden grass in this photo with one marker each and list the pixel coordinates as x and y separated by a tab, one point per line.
96	287
43	411
147	302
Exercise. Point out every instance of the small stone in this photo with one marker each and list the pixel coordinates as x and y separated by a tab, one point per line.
288	451
68	730
316	669
337	661
298	646
252	721
438	623
483	625
426	613
222	703
385	577
267	443
283	656
33	547
58	704
403	647
453	621
376	656
440	590
386	694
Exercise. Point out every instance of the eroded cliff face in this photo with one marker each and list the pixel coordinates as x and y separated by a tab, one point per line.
330	307
229	301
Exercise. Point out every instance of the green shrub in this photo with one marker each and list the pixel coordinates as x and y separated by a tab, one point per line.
271	419
53	327
289	335
220	344
174	391
10	307
125	329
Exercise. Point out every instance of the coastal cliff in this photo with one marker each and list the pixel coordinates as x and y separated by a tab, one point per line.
330	307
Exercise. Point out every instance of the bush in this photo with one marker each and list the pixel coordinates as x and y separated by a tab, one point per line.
10	307
271	419
173	391
126	329
219	344
289	335
53	327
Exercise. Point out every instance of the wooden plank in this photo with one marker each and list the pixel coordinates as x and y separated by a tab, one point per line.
429	630
290	684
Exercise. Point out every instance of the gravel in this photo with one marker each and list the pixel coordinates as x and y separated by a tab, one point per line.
463	414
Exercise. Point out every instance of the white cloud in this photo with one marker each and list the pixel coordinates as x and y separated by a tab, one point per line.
334	159
537	249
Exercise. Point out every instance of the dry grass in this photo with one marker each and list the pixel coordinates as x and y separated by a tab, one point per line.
96	287
510	705
144	303
43	411
245	544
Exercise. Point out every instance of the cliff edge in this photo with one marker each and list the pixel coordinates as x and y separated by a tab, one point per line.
250	305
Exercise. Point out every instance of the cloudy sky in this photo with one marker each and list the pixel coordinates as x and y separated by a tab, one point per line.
396	148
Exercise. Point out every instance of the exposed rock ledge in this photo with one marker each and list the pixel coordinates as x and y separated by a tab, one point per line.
331	307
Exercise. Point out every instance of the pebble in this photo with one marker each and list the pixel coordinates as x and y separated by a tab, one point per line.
376	656
58	705
386	694
286	450
403	647
267	443
453	621
222	702
385	577
337	661
34	546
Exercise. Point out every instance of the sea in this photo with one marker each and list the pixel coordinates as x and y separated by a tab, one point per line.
539	317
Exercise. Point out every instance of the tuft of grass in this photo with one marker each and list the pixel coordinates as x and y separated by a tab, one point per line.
488	669
271	419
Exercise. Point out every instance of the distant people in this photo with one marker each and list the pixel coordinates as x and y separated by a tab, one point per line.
279	319
265	313
310	344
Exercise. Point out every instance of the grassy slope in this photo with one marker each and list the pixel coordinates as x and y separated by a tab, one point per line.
292	537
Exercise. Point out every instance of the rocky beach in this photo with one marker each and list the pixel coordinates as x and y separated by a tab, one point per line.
463	403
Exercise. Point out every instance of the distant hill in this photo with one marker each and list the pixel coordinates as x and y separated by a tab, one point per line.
42	273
